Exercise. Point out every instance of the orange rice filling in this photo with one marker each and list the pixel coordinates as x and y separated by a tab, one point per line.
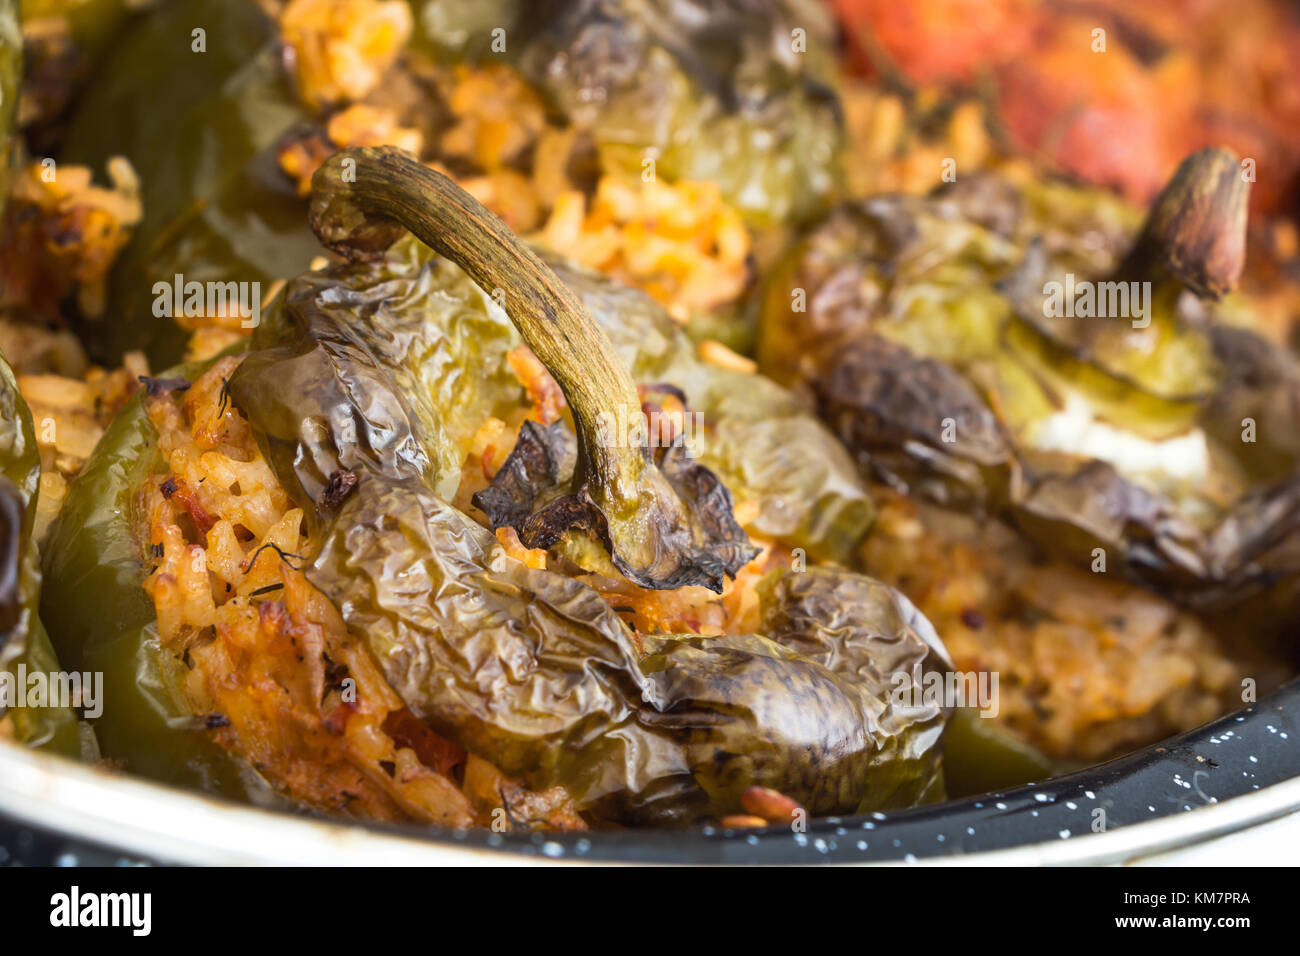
272	670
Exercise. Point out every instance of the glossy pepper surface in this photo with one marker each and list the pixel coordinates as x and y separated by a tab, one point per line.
11	72
24	645
200	129
101	620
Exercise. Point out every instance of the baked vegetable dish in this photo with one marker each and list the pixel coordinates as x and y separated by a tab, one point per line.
605	413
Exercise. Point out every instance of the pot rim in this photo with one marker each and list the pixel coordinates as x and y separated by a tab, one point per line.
139	817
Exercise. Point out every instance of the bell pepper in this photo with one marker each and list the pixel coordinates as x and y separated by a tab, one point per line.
24	645
11	74
365	386
738	94
101	620
981	757
201	130
63	40
757	116
1154	444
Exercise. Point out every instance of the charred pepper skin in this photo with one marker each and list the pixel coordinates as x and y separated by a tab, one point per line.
537	673
945	404
23	638
384	371
663	526
530	668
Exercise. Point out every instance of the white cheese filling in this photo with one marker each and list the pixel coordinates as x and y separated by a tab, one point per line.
1075	430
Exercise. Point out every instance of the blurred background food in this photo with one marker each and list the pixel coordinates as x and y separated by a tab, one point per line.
1113	93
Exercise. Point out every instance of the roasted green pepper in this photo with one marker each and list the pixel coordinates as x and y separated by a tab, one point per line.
101	620
63	40
949	342
24	645
757	115
11	72
980	757
201	130
25	651
739	94
383	371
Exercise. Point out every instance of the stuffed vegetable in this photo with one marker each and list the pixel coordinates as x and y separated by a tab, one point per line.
623	651
596	414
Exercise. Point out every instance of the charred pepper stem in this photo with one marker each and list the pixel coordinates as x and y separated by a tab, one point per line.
547	314
364	199
1196	231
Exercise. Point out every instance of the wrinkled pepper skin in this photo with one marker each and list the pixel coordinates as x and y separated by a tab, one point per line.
101	619
717	91
530	668
757	117
23	639
661	736
763	443
713	91
201	131
761	440
387	370
927	347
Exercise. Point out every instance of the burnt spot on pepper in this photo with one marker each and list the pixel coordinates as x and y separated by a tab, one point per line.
617	492
542	459
338	487
527	494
